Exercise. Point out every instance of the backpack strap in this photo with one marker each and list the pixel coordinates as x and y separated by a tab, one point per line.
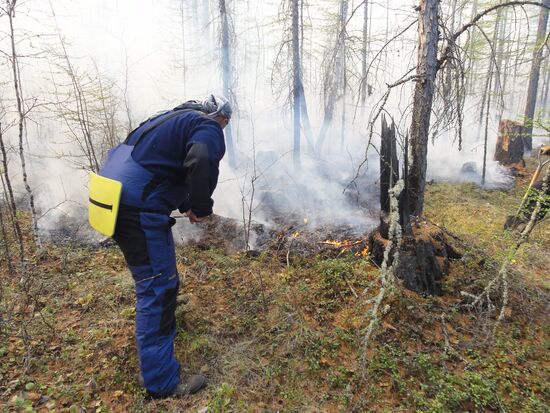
164	117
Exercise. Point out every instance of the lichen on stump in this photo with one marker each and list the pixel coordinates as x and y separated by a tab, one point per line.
509	148
424	256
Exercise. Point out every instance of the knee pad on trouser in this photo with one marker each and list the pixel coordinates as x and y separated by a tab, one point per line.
157	287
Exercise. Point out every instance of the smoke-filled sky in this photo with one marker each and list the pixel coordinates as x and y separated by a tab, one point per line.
164	52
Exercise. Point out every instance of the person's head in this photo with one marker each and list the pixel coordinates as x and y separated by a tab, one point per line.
218	108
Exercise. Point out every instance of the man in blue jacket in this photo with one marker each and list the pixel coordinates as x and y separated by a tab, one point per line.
169	162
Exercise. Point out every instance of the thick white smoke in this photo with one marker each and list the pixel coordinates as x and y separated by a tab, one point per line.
141	46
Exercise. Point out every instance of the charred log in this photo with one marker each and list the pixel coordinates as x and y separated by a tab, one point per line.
509	149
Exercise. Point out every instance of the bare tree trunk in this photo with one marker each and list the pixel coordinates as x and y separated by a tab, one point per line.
426	70
449	68
546	89
183	44
21	116
227	76
343	128
534	77
7	253
364	52
472	44
10	198
308	133
486	137
485	101
344	14
297	88
498	83
508	58
334	76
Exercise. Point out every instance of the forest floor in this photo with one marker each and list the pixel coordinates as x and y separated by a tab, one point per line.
282	331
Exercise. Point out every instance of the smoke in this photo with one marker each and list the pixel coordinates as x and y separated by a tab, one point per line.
147	54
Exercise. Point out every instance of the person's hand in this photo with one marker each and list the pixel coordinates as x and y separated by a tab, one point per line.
193	219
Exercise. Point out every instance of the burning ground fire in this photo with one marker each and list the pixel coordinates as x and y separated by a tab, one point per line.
356	246
349	245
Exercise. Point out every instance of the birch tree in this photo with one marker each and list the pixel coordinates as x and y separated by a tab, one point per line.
22	110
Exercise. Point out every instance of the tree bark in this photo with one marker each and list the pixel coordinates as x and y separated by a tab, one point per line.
297	88
227	76
183	45
485	101
546	87
364	52
7	253
10	198
449	68
534	75
21	117
334	82
428	35
471	77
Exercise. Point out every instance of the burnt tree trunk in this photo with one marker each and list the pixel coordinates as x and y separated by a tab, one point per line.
424	251
509	148
534	76
389	173
425	256
426	69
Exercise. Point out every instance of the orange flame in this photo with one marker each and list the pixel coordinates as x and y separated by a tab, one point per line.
347	245
363	253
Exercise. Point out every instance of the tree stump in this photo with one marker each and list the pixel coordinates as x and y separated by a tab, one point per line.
509	149
424	256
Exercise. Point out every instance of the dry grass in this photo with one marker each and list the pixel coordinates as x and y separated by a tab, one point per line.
477	216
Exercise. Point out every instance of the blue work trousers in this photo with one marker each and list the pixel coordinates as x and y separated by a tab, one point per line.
146	241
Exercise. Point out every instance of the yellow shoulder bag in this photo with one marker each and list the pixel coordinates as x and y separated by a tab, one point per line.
104	201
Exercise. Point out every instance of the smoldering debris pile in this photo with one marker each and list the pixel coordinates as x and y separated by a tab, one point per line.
298	238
